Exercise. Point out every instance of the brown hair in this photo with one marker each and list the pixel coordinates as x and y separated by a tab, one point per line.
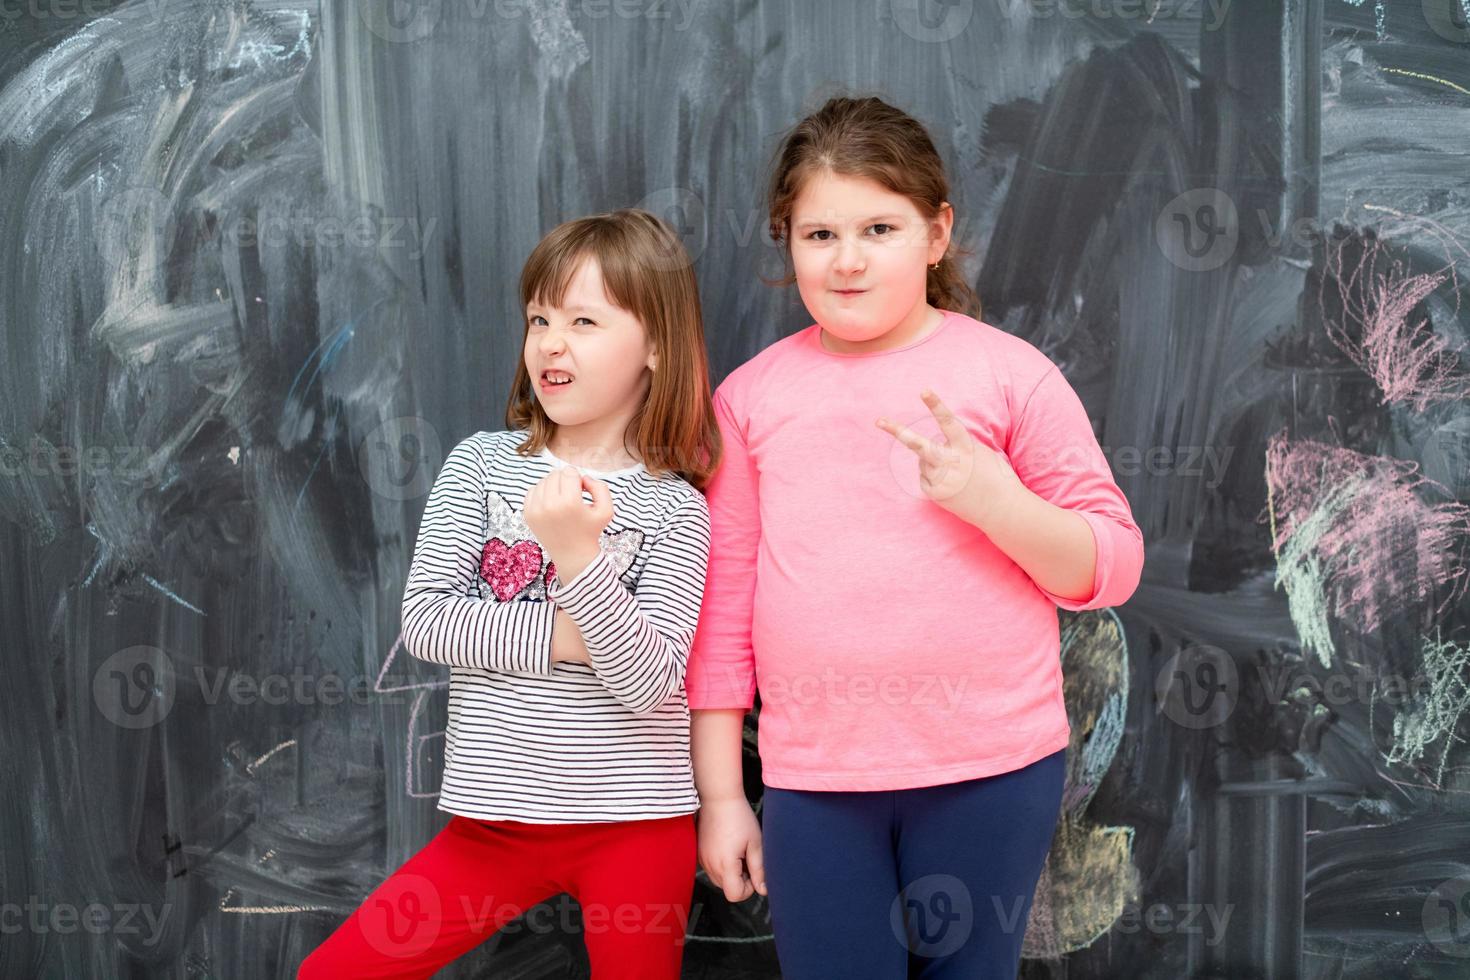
647	272
869	138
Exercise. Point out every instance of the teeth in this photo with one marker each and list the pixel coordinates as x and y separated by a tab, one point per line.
557	377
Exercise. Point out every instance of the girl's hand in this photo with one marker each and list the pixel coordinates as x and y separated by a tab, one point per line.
730	848
965	477
567	527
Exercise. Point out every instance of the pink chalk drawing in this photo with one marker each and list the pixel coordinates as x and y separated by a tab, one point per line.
1355	539
1368	302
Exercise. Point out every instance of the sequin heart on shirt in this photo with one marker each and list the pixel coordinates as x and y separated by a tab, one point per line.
509	569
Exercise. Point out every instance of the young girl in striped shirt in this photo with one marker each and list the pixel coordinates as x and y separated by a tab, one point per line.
566	625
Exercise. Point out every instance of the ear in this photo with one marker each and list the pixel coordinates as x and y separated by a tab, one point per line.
943	226
652	361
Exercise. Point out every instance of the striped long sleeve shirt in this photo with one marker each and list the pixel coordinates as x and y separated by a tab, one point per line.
540	742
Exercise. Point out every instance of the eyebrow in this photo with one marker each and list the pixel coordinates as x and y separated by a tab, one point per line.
571	309
808	222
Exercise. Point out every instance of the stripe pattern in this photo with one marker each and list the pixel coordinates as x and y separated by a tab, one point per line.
541	742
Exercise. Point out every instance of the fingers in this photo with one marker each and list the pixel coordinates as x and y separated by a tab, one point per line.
950	425
907	436
755	860
954	431
602	502
597	488
562	487
568	482
727	871
736	885
549	489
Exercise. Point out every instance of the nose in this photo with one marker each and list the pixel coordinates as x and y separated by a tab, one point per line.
551	342
849	258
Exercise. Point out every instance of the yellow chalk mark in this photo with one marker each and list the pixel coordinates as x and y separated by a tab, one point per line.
1429	78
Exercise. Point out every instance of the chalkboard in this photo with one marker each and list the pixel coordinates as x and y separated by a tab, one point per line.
257	275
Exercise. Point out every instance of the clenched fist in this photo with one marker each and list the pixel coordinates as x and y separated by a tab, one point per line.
568	527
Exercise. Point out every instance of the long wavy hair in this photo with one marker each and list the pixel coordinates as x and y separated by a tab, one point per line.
867	137
645	271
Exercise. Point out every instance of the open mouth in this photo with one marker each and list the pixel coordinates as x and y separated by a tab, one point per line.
553	380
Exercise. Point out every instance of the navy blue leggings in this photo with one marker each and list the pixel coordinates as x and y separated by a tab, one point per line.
933	882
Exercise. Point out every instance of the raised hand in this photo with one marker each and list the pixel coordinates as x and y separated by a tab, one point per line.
568	527
965	477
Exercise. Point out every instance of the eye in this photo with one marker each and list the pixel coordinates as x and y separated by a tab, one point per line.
886	227
819	231
537	320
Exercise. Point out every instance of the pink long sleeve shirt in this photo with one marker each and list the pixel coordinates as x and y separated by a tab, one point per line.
893	644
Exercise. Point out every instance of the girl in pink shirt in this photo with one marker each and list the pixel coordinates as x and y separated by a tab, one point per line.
906	496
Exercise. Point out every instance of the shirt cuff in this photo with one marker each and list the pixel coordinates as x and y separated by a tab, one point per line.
715	701
715	682
1101	563
568	594
538	649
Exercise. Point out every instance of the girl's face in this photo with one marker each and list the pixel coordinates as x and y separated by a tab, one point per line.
861	254
605	352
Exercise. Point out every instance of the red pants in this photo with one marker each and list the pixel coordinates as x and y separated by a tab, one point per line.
634	881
